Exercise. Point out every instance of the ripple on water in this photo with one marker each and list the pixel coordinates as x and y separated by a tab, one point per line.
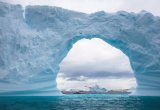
81	102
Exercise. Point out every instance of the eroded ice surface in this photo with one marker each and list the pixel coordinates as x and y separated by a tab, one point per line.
32	46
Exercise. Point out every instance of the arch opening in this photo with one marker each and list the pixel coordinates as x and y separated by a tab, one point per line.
95	62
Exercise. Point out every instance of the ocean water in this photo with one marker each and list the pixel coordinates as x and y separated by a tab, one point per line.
81	102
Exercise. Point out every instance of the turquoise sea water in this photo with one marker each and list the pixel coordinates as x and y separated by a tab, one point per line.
81	102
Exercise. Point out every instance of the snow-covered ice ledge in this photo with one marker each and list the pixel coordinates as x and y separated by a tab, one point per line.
32	46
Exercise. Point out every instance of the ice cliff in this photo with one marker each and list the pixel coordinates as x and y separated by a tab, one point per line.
34	41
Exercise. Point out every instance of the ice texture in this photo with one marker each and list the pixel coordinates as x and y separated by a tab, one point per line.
34	41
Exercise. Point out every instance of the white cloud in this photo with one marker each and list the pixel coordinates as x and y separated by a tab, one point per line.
95	58
85	61
110	83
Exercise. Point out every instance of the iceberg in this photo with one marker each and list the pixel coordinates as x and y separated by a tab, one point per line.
34	41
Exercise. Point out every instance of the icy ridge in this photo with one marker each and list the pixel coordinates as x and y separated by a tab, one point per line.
33	46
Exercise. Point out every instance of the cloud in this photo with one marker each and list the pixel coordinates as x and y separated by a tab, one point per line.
111	83
95	59
97	75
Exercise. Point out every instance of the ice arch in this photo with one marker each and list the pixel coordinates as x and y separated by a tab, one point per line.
33	45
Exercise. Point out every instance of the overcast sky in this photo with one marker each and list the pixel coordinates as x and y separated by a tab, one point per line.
93	61
89	6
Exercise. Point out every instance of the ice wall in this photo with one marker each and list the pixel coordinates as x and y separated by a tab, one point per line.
32	46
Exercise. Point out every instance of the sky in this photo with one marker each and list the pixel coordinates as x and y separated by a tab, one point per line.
93	61
90	6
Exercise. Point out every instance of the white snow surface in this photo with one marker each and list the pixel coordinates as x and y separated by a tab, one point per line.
34	41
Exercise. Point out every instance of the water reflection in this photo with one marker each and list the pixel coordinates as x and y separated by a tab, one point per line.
81	102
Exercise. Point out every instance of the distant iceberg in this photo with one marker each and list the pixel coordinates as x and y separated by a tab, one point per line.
32	46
